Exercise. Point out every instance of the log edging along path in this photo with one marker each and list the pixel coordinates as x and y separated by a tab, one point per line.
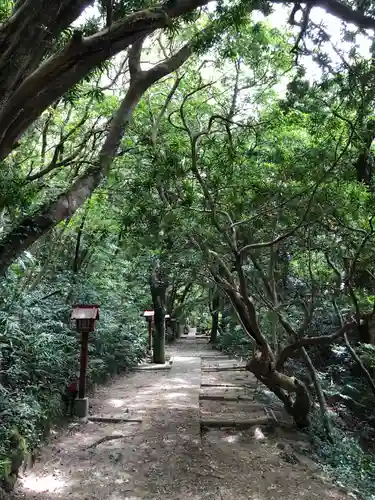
153	366
220	421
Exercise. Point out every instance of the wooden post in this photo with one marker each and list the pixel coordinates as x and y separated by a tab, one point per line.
150	333
83	365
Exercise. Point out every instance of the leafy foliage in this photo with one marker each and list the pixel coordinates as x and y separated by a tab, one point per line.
238	173
352	467
39	350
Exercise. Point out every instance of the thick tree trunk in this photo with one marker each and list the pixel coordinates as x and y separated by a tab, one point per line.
29	85
158	288
283	386
214	303
31	228
159	333
214	327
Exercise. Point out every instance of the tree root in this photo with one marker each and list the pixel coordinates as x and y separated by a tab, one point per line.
104	440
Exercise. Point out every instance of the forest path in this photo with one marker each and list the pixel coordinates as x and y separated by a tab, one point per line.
167	456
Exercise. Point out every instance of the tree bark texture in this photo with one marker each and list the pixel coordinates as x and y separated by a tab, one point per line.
291	391
215	318
158	287
32	80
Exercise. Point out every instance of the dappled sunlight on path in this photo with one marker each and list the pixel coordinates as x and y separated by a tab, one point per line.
165	456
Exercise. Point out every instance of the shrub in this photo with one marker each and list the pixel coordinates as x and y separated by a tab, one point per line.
344	459
234	341
39	355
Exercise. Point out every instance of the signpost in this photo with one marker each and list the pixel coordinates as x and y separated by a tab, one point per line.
85	316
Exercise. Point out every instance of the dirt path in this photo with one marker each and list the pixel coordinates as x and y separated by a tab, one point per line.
167	455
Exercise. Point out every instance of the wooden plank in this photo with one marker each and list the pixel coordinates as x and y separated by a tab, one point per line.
219	357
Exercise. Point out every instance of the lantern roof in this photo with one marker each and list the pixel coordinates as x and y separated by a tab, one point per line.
148	313
85	311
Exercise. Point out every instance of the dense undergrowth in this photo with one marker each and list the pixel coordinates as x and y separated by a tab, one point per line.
39	354
350	456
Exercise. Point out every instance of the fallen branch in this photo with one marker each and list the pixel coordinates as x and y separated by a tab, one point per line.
115	420
229	386
224	369
152	368
104	440
213	397
238	424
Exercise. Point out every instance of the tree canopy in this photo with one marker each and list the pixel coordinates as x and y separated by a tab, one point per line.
178	156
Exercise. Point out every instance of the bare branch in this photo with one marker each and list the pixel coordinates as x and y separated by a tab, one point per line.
321	340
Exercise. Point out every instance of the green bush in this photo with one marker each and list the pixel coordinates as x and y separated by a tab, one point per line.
234	341
345	460
39	355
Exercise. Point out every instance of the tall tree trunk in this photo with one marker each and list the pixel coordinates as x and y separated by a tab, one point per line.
159	331
215	318
214	327
178	328
158	287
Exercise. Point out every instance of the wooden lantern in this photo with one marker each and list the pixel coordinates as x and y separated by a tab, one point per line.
85	316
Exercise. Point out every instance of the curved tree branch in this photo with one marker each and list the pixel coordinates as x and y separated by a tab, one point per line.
31	228
321	340
61	71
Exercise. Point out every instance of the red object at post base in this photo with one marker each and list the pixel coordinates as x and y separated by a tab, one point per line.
85	316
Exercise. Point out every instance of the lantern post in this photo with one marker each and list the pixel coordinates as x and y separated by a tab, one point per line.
85	316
